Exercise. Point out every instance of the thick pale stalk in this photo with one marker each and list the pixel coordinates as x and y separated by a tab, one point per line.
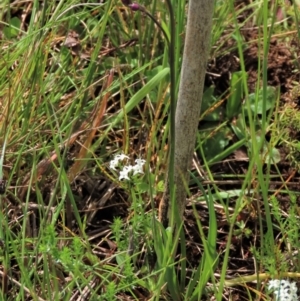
196	51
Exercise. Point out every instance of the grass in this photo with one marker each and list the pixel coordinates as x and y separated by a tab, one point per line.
69	228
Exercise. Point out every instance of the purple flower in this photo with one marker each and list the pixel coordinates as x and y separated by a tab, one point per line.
134	6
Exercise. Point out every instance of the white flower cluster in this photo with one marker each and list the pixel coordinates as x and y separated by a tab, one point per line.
283	290
127	169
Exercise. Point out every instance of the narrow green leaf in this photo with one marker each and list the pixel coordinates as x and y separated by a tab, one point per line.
236	95
139	95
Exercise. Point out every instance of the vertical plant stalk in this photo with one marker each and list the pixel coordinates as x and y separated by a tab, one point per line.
169	193
195	56
170	178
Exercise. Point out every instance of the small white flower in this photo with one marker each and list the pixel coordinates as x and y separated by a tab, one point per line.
140	162
138	168
124	173
273	284
114	163
283	290
121	157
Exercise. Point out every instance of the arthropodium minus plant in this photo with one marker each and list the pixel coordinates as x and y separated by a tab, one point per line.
283	290
127	169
